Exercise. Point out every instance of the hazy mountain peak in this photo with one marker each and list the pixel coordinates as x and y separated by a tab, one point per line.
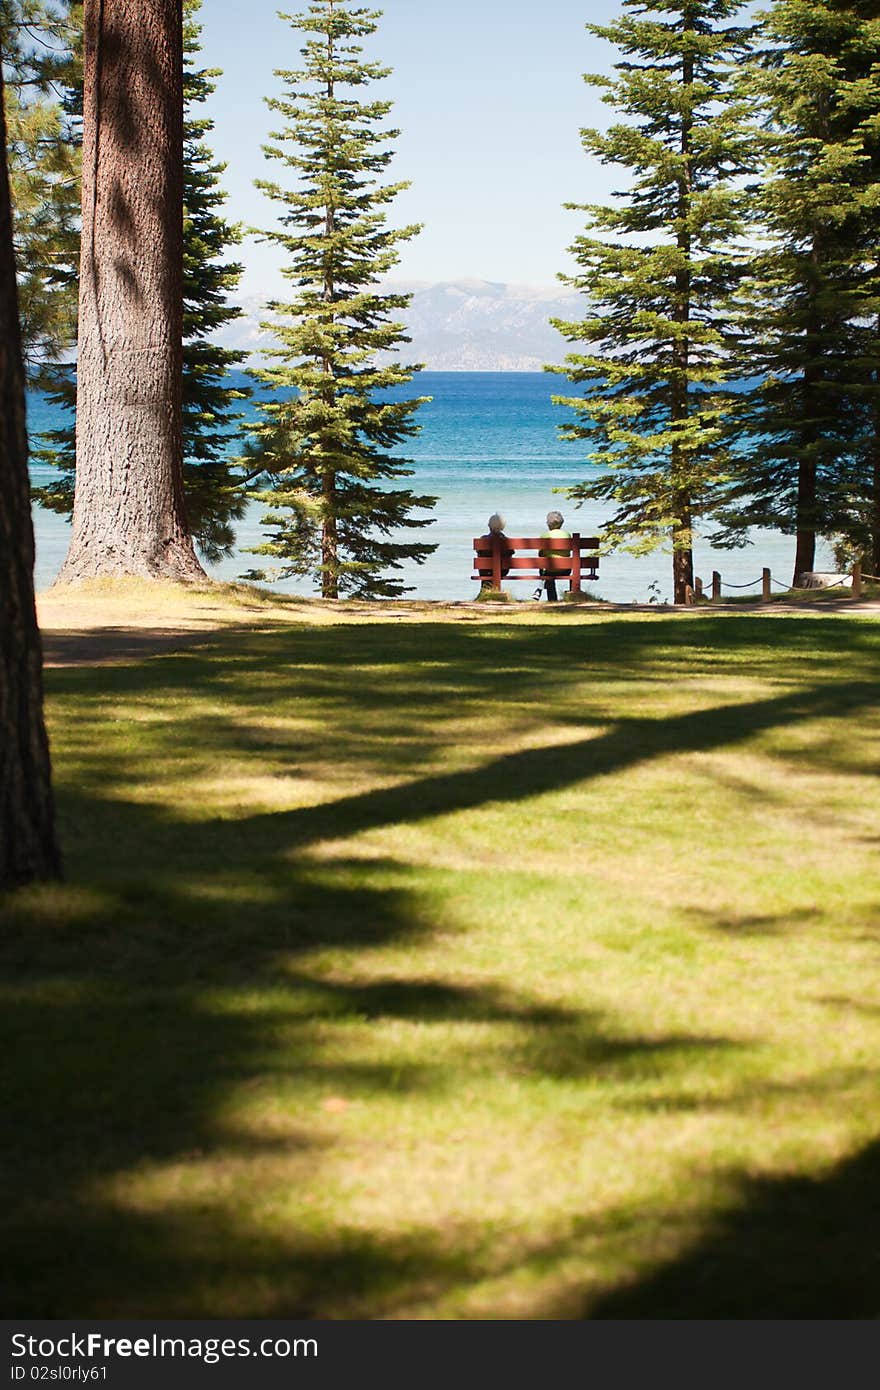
458	325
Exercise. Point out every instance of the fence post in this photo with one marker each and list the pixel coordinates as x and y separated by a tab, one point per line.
698	588
689	596
857	579
765	585
716	587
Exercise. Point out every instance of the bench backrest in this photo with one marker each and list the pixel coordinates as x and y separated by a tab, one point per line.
497	556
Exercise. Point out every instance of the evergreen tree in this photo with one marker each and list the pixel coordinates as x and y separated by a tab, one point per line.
811	339
214	498
660	267
128	512
856	524
38	39
28	846
329	448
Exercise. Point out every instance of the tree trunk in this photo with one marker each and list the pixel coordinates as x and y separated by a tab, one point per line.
873	557
807	511
805	543
329	540
682	530
329	536
682	560
129	515
28	848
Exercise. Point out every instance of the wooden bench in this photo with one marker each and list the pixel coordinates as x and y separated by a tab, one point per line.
501	557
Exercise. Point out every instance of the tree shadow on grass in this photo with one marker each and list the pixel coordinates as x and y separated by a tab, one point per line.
506	779
794	1247
147	1124
169	1068
378	683
523	775
177	981
746	924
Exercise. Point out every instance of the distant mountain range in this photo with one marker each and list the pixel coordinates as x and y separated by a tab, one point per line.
458	325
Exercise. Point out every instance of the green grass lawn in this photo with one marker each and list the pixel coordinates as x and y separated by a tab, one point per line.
455	969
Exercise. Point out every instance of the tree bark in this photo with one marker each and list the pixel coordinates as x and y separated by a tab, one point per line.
329	540
28	848
806	504
129	515
873	553
805	540
329	535
682	531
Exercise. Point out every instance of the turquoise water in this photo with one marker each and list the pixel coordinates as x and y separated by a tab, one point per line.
488	443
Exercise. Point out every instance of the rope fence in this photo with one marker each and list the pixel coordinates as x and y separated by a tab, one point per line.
852	582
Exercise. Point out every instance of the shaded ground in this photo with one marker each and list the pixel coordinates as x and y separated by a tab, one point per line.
453	969
115	620
102	646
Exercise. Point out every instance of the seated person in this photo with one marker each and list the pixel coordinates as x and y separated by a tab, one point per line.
557	562
495	533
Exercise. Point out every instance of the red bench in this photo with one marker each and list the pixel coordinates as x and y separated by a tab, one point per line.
501	557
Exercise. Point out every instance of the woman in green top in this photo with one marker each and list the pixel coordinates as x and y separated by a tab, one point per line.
556	567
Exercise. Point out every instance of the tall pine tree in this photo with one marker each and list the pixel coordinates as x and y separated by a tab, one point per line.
329	431
811	315
128	512
214	497
659	267
28	847
856	523
37	41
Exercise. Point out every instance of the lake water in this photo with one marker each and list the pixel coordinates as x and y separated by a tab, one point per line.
488	443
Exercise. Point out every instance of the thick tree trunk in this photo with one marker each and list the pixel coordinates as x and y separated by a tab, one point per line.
129	513
28	848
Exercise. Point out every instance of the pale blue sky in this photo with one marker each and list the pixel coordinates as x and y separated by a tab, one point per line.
489	97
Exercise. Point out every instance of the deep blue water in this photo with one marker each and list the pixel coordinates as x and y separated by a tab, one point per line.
488	443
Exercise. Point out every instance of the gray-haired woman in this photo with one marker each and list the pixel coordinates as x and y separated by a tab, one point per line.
493	536
557	563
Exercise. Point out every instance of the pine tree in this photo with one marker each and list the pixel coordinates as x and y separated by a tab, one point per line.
660	267
28	847
329	448
37	39
214	498
856	520
128	514
813	289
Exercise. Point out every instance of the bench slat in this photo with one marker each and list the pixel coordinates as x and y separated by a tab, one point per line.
522	562
586	573
542	542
